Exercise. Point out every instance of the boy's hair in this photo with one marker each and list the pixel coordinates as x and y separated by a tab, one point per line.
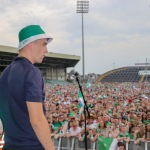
121	144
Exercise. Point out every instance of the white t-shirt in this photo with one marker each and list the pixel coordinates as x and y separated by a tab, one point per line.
74	132
67	102
92	126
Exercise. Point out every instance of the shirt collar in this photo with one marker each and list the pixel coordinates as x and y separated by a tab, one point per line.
22	58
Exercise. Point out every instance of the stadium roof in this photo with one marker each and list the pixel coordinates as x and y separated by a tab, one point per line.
52	60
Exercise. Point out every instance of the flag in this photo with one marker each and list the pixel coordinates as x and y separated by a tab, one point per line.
107	143
88	85
81	102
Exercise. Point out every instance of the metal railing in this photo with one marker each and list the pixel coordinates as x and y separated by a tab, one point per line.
75	144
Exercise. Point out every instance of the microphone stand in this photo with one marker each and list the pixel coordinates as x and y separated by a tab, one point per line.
85	109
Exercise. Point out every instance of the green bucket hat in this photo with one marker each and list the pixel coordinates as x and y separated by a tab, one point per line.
31	33
72	114
109	111
108	124
116	103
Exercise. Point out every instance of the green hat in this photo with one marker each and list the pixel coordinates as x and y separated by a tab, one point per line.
109	111
72	114
108	124
31	33
147	122
116	103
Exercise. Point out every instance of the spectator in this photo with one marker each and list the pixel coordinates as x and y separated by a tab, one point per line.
147	133
90	123
93	134
136	121
101	128
144	136
148	115
139	115
121	146
134	133
105	118
74	131
124	121
56	125
131	115
113	131
66	101
144	117
115	120
82	135
123	135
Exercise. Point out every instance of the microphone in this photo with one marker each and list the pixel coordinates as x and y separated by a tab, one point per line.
73	72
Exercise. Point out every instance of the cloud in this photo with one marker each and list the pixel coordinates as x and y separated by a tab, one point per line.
115	31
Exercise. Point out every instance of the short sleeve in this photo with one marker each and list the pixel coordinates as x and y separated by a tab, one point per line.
33	85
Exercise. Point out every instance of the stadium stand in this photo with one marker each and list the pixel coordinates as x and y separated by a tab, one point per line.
56	82
53	66
126	74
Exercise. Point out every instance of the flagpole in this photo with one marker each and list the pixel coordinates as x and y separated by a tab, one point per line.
85	110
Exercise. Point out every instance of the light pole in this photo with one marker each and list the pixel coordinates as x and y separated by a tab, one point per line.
83	7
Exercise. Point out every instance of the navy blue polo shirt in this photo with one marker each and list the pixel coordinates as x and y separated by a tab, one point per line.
20	82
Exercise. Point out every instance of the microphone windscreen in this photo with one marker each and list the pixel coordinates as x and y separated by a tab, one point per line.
72	72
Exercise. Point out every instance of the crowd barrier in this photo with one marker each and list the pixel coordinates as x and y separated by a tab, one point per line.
75	144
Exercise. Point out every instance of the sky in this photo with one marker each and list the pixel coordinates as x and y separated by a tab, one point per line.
116	32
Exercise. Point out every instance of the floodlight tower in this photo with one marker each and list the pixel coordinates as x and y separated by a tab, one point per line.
83	7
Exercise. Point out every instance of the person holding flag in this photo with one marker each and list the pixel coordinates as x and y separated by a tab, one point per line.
105	141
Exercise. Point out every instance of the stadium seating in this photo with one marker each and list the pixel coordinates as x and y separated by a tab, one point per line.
125	74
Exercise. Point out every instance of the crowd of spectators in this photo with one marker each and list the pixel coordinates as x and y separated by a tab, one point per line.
117	110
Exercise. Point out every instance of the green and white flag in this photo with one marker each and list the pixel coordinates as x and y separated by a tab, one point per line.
88	85
107	143
81	102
